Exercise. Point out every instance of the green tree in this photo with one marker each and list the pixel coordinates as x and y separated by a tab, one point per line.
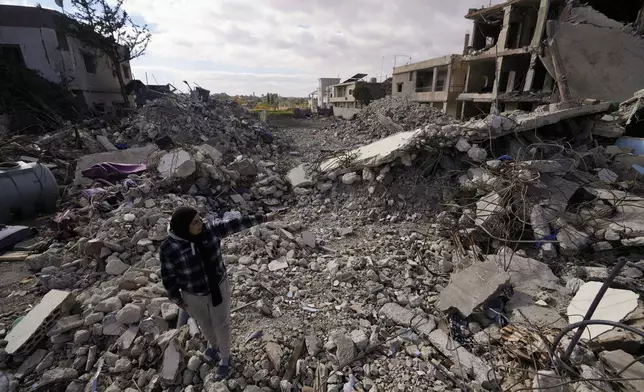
105	26
362	94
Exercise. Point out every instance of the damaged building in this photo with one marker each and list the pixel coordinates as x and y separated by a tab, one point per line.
525	53
342	98
34	38
437	82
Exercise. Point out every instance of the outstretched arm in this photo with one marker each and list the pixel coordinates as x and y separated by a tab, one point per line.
223	228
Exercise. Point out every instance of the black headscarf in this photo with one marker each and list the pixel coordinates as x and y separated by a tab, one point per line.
180	223
180	226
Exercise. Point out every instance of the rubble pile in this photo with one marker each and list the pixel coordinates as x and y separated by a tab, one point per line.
444	257
527	221
387	116
223	124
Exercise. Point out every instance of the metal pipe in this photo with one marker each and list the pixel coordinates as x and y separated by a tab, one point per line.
593	306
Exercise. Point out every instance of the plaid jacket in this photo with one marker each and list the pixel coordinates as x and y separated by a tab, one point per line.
181	265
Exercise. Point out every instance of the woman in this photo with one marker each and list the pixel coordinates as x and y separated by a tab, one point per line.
195	277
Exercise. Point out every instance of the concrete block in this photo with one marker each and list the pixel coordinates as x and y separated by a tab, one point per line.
618	360
471	287
455	351
298	177
32	328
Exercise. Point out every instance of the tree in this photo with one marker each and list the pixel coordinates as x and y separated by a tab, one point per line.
108	28
362	94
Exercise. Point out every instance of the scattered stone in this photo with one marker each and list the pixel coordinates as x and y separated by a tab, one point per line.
360	339
115	266
130	314
397	314
618	360
274	352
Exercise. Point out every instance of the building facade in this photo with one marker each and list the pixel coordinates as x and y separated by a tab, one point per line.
32	36
526	53
503	67
324	91
341	95
437	82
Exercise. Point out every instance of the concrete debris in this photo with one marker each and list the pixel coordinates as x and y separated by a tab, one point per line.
397	314
626	366
410	216
546	381
298	177
487	277
614	306
177	163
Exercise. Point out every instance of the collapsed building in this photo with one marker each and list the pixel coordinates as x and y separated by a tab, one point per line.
437	82
524	53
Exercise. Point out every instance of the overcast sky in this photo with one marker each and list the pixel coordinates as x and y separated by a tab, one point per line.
283	46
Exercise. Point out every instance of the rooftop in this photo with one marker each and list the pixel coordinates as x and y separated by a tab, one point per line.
36	17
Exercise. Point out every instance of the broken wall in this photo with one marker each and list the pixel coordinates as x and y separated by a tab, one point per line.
602	59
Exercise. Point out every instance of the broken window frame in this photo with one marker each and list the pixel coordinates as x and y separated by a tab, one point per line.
90	62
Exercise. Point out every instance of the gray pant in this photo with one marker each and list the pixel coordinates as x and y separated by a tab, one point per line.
214	321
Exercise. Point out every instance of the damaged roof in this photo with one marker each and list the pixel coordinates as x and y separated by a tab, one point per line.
497	9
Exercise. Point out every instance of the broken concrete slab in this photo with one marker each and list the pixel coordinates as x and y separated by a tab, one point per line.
30	364
375	154
618	361
529	278
105	142
547	381
397	314
33	326
115	266
614	306
298	177
211	152
471	287
277	265
458	354
172	362
570	240
178	163
308	238
541	230
487	209
130	156
274	353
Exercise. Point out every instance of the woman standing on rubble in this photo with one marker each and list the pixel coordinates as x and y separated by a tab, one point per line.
195	277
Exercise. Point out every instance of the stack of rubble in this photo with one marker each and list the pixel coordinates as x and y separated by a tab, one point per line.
222	124
512	203
387	116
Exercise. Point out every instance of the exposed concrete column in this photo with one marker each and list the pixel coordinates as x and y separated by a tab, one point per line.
541	23
502	43
511	77
466	44
448	79
529	77
435	76
467	78
547	83
557	63
497	77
